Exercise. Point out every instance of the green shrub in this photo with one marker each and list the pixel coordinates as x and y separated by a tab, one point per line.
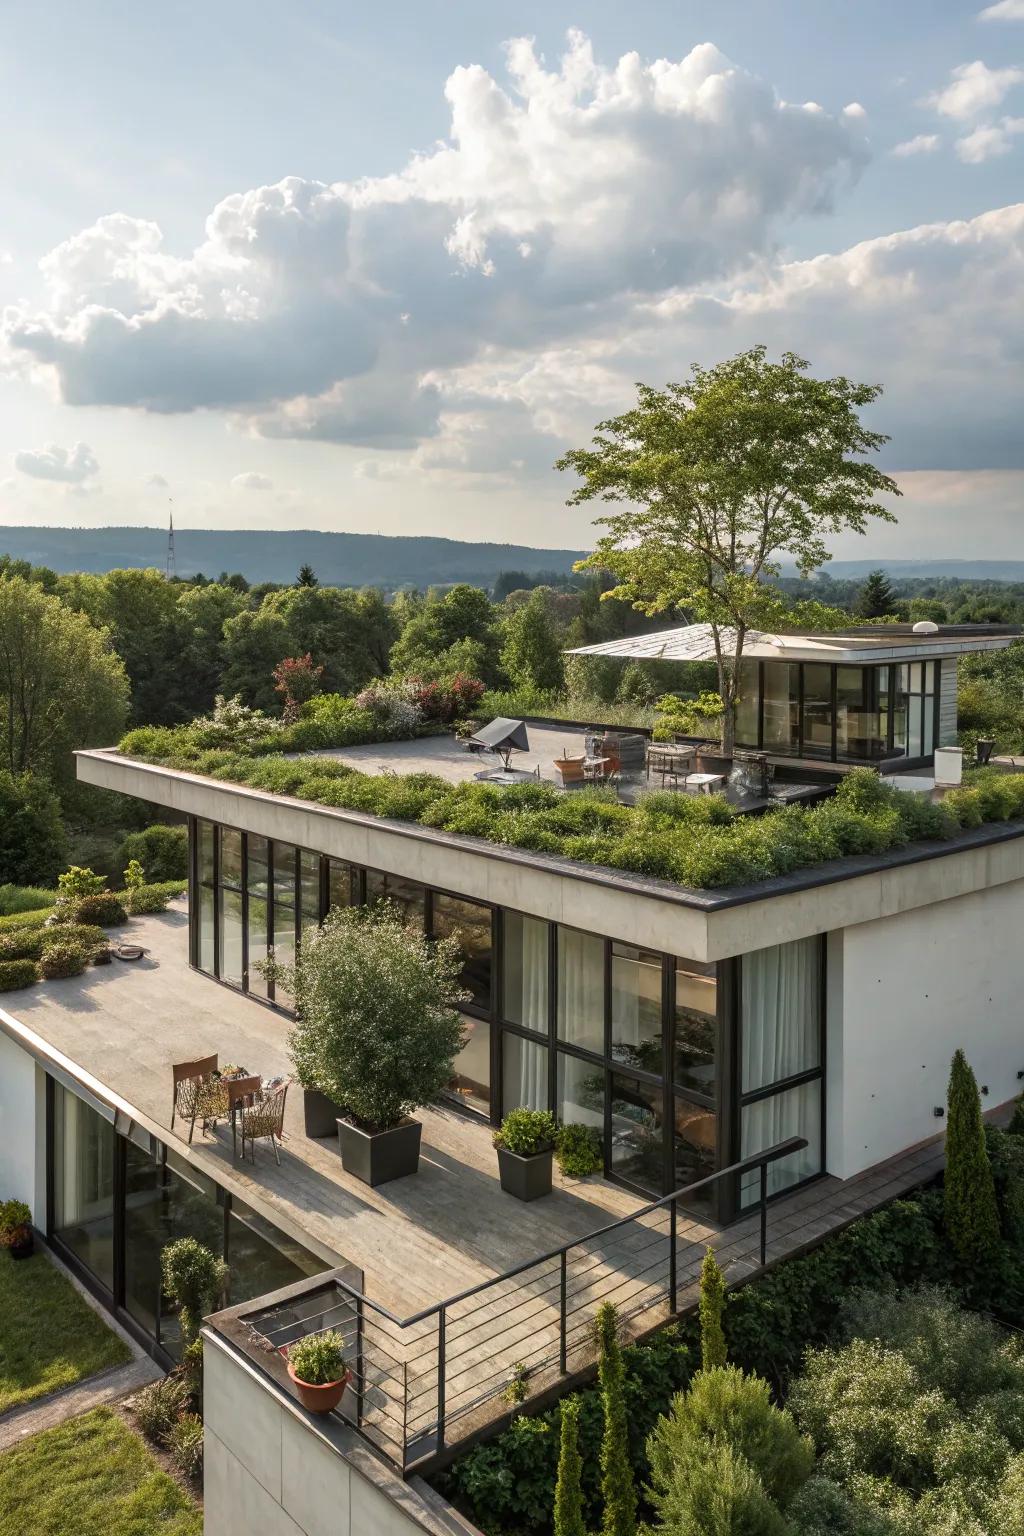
134	875
526	1132
822	1508
972	1217
20	920
61	959
104	909
1006	1157
161	850
712	1303
193	1277
568	1517
712	1490
142	899
185	1443
21	944
86	935
24	898
318	1359
75	884
15	1216
578	1150
15	974
32	839
157	1407
618	1489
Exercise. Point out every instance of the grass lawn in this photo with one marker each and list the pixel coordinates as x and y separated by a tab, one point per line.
91	1476
49	1336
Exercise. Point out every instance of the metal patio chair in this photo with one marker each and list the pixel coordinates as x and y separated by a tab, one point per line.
264	1117
198	1093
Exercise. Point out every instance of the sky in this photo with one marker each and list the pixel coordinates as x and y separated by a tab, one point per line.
373	268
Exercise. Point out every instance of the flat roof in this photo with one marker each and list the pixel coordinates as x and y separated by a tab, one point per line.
857	645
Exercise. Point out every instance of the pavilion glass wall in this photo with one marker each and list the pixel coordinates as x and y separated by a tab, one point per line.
117	1200
839	713
632	1042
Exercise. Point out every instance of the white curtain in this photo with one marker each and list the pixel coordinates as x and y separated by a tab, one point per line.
781	1002
797	1112
526	1074
526	971
581	989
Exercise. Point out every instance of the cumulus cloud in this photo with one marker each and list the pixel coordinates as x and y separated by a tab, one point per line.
1003	10
854	109
319	311
989	140
973	89
920	144
252	481
72	466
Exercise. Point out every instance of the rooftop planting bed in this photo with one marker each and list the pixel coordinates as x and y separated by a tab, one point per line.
699	842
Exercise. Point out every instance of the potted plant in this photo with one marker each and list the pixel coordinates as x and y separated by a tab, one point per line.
317	1367
525	1144
377	1030
16	1233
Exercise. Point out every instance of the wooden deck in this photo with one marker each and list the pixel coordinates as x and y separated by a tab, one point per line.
420	1240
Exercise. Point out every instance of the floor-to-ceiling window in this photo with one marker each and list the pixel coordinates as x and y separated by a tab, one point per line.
781	1062
838	713
83	1183
118	1199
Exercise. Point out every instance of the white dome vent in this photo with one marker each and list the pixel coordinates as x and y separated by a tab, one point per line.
926	627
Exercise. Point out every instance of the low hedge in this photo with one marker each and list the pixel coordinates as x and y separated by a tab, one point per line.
104	909
695	841
507	1485
62	959
21	944
151	898
19	920
17	973
87	936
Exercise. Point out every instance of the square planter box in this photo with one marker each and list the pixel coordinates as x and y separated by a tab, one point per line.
320	1114
528	1178
377	1157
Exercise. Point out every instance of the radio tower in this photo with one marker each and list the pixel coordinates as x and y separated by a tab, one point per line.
171	569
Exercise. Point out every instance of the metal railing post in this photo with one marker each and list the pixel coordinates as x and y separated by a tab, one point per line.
764	1214
672	1257
442	1315
405	1415
562	1300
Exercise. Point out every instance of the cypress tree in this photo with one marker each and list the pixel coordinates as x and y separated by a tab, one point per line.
971	1212
617	1486
568	1489
712	1301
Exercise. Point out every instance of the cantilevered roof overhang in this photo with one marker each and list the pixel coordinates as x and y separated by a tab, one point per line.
858	647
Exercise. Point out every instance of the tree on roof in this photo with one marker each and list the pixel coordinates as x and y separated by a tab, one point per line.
719	478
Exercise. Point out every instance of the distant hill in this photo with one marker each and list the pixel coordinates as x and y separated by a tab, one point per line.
963	570
342	559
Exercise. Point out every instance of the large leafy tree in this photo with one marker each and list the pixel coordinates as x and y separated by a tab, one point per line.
456	631
61	685
140	610
32	845
721	476
532	653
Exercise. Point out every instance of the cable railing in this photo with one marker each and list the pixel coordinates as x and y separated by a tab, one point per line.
422	1383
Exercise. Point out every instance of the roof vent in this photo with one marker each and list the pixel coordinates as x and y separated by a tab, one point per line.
926	627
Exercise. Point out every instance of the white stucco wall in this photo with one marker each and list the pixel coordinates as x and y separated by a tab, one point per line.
903	994
22	1129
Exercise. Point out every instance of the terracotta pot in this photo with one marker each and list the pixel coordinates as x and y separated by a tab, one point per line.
320	1398
21	1243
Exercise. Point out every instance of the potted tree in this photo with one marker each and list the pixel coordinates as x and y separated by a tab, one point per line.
316	1365
377	1030
16	1233
525	1144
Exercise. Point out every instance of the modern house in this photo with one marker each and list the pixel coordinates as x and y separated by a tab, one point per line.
695	1030
878	694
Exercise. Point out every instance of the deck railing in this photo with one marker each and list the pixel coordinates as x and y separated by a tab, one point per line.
423	1382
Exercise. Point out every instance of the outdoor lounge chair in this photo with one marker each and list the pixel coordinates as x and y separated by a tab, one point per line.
264	1117
198	1093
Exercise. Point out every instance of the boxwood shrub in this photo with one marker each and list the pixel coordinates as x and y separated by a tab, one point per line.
17	973
104	909
63	958
19	920
21	944
87	936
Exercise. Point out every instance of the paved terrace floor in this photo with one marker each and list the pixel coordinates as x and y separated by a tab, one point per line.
420	1239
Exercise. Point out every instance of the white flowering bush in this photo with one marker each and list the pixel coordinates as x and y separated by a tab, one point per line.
393	707
378	1027
232	724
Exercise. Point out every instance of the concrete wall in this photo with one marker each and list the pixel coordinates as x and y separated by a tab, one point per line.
904	993
273	1470
22	1129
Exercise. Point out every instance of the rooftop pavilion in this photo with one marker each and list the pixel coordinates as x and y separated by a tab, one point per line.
861	643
